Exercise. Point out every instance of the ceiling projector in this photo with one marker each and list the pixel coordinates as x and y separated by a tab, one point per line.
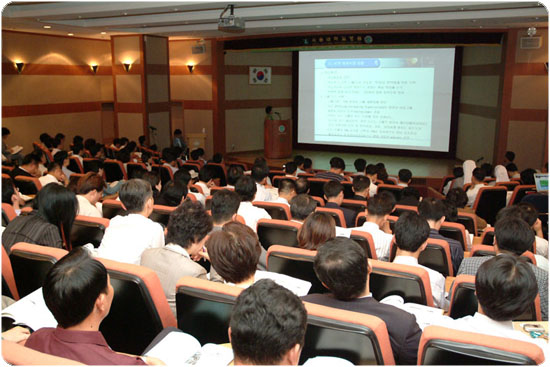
230	23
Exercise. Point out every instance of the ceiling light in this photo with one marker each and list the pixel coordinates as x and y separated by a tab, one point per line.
176	9
418	22
395	12
47	26
103	32
366	24
125	13
70	34
474	20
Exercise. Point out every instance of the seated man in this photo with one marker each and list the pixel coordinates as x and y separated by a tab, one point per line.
55	175
512	236
291	169
233	174
299	160
301	206
334	194
361	188
128	236
342	265
187	232
433	211
90	191
206	179
246	188
505	288
372	173
411	235
336	172
170	159
10	195
302	185
267	326
478	175
28	167
405	177
377	212
78	292
287	190
260	173
360	164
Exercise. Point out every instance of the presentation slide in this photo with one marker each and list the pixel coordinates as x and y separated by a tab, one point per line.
397	99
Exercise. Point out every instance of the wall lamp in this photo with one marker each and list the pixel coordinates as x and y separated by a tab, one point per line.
190	67
94	68
127	65
19	65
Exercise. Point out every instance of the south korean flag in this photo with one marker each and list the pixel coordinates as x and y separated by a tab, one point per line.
259	75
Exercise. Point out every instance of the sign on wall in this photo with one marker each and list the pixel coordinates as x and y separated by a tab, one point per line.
259	75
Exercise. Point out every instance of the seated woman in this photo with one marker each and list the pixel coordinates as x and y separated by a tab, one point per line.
49	224
172	194
317	229
234	252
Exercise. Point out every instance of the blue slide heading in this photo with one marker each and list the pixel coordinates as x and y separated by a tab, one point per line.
353	63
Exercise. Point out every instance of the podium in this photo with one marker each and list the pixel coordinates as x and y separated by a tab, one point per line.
195	140
277	138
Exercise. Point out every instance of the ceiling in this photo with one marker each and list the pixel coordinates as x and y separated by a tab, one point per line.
198	19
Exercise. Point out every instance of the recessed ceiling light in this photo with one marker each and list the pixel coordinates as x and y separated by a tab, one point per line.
70	34
125	13
103	32
418	22
480	26
281	17
474	20
317	26
47	26
395	12
366	24
336	14
176	9
80	17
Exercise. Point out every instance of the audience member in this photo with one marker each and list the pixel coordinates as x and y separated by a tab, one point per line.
478	175
246	188
336	172
301	206
178	140
308	166
377	225
334	193
361	187
170	159
28	167
90	191
527	176
531	216
509	157
55	175
62	157
267	326
299	160
501	174
405	177
291	169
457	181
224	207
234	172
186	235
360	164
260	174
49	224
287	191
371	171
317	229
9	153
78	292
302	186
512	170
128	236
342	266
488	169
433	211
172	194
153	178
411	238
206	179
458	198
409	196
10	195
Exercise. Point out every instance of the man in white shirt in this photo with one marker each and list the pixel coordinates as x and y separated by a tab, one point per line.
170	159
411	235
90	191
505	288
206	179
128	236
287	191
372	173
260	173
291	169
531	216
405	177
478	175
246	188
55	175
377	212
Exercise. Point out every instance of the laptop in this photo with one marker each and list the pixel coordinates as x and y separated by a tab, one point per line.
541	181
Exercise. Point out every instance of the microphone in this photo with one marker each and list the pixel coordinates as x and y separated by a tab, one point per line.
479	159
152	128
278	114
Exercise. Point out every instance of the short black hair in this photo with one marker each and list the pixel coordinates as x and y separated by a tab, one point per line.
405	175
259	172
458	171
53	166
217	158
510	156
172	193
234	172
5	131
290	167
505	287
379	205
299	160
332	189
134	194
286	185
72	286
301	206
338	163
479	174
183	176
487	168
224	204
60	156
361	183
527	176
141	139
308	163
371	169
431	209
511	167
168	155
411	231
246	188
341	264
360	164
458	197
177	132
302	185
266	322
31	158
529	213
188	224
514	235
207	173
77	139
8	190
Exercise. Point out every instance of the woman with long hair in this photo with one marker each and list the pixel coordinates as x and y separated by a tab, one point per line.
317	229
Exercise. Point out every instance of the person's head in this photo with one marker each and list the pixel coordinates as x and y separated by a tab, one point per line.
411	232
30	163
62	157
91	185
337	164
217	158
361	185
89	143
188	226
405	175
56	143
183	176
317	229
458	171
55	170
154	180
123	155
457	197
234	252
291	168
141	140
195	154
432	210
360	164
168	155
246	188
505	287
308	163
207	174
77	149
487	169
382	173
177	132
510	156
95	166
301	206
172	193
372	172
287	189
334	191
45	138
378	206
57	205
116	142
60	136
268	109
77	139
78	287
10	195
342	266
146	157
234	172
511	168
259	173
299	160
131	147
527	176
529	213
302	185
137	196
478	175
513	234
267	325
137	172
97	151
5	132
224	206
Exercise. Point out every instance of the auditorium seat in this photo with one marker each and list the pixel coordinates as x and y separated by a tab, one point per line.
46	151
191	166
400	209
9	211
112	208
364	239
489	250
316	186
278	232
6	169
75	165
320	201
410	282
295	262
360	219
306	175
275	172
455	231
510	185
394	189
161	214
204	308
469	221
27	185
219	172
489	201
139	310
275	210
5	175
436	256
166	174
357	206
31	263
114	170
488	236
519	192
444	181
336	214
88	230
443	346
360	338
348	189
196	188
132	166
8	280
276	179
88	162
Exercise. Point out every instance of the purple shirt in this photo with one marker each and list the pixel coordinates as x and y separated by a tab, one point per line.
88	347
